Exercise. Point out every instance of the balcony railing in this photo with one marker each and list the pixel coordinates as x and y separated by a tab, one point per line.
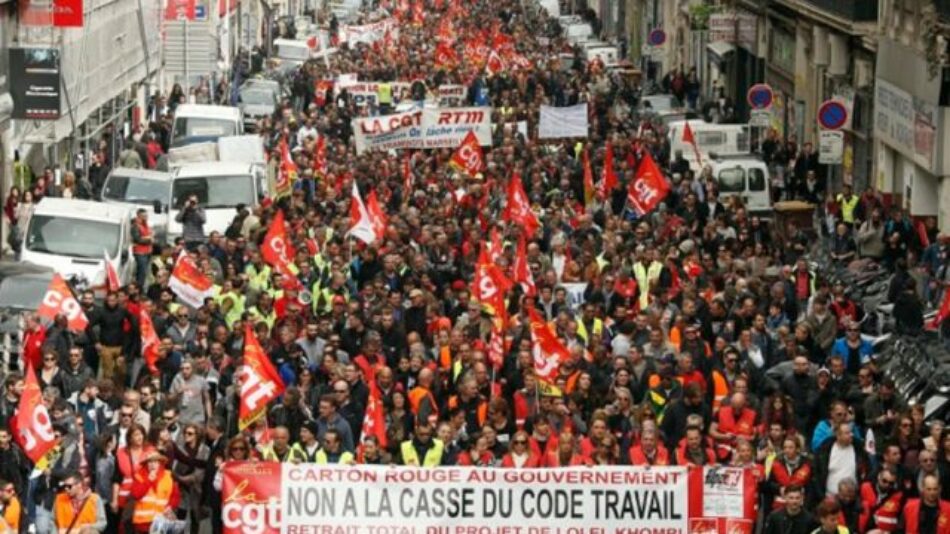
853	10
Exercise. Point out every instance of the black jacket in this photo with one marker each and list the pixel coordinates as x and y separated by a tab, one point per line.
780	522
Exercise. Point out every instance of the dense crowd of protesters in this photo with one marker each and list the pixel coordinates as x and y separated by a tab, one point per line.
701	335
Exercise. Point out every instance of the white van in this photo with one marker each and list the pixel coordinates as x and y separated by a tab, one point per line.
72	237
220	187
719	139
196	123
141	189
292	53
746	177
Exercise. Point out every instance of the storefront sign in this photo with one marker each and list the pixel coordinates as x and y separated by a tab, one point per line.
35	79
906	123
724	27
424	128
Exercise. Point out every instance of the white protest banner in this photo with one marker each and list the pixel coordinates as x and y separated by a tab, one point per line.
575	293
380	499
423	128
367	93
369	33
451	96
560	123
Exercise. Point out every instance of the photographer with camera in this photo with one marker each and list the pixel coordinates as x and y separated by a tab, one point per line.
192	218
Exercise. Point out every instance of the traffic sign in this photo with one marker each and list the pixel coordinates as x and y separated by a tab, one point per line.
200	13
657	37
830	147
832	115
760	118
760	96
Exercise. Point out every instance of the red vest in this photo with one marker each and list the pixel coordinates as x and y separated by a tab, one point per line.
638	457
742	426
885	515
800	476
532	462
912	517
142	249
681	458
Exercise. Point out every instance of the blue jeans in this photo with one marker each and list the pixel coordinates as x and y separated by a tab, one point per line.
141	269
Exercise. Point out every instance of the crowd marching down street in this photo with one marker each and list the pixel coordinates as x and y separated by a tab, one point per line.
429	285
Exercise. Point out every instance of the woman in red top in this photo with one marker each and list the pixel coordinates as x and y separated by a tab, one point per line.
566	454
519	455
477	453
127	460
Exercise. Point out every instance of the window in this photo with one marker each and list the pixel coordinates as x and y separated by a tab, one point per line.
732	180
203	127
756	180
215	192
710	139
65	236
135	190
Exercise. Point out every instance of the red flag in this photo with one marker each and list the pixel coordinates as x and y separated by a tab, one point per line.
588	179
320	156
377	216
361	222
445	56
549	352
59	299
944	311
496	346
260	382
922	234
648	188
277	250
150	341
522	272
418	13
496	246
188	282
518	208
287	173
609	179
688	137
468	157
495	64
490	286
32	427
321	91
374	420
112	277
406	177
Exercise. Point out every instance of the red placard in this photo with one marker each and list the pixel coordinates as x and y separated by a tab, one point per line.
67	13
180	10
250	497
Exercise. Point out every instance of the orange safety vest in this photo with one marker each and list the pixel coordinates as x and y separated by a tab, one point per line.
482	412
720	387
416	395
142	249
154	503
681	458
638	457
885	515
912	517
11	514
743	426
64	513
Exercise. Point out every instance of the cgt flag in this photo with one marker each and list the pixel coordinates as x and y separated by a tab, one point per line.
59	299
468	157
549	352
518	207
648	188
374	420
33	429
150	341
260	382
188	282
277	249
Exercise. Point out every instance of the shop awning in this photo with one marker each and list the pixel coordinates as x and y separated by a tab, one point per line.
718	50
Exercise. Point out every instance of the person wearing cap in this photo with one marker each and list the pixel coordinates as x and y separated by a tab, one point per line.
155	492
308	446
77	508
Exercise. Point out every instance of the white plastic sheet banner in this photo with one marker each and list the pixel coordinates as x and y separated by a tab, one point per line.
560	123
381	500
423	128
369	33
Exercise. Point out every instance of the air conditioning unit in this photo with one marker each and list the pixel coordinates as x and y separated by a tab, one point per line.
863	73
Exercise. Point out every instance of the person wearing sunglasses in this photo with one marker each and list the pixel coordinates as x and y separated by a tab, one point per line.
191	455
520	455
76	508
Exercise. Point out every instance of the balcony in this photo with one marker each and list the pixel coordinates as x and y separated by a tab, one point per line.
852	10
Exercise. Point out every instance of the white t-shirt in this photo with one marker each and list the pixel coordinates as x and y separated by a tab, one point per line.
841	465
